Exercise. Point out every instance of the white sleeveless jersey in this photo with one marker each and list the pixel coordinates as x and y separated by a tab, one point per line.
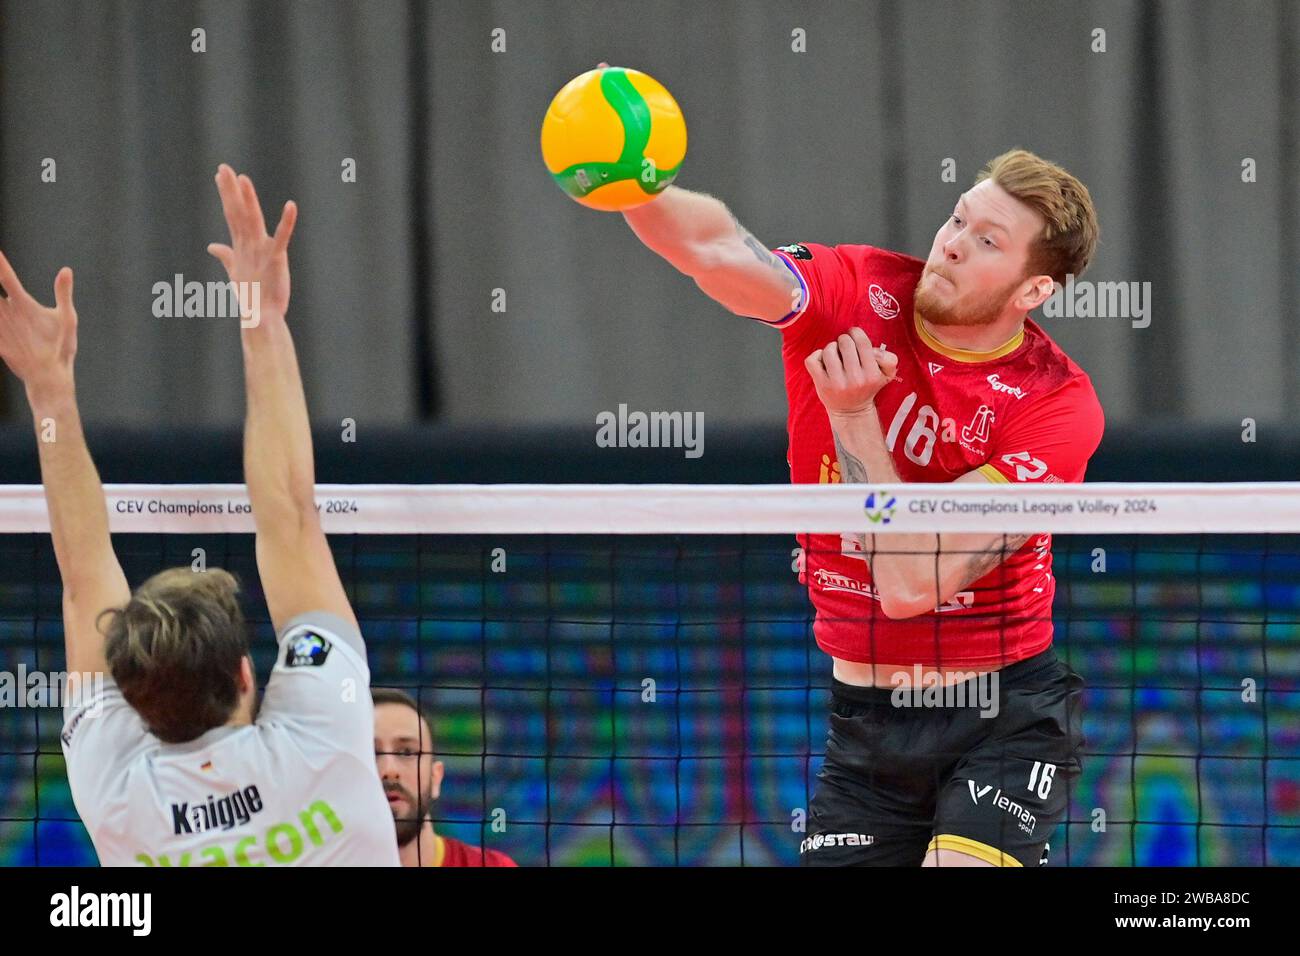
297	788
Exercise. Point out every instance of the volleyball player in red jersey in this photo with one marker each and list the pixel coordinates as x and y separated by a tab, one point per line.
412	779
906	370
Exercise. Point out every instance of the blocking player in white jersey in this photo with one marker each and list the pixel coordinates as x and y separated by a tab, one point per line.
170	761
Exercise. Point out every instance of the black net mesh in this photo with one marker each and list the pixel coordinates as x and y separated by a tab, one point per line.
659	700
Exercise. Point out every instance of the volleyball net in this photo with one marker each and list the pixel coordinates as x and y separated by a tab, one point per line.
626	674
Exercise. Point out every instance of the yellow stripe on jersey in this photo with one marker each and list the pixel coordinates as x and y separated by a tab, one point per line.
993	475
966	355
981	851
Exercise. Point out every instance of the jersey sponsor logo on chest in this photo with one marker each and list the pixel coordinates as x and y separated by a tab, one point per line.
884	304
1001	386
976	431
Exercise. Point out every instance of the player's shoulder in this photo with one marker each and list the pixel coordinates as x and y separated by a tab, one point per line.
1053	370
458	853
497	858
309	639
861	281
860	257
1051	389
318	686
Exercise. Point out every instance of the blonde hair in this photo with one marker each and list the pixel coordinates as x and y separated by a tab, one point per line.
1070	236
175	651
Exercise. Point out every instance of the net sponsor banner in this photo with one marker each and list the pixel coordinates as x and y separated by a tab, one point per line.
1247	507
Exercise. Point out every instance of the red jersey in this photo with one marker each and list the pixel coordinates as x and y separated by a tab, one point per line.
458	853
1022	412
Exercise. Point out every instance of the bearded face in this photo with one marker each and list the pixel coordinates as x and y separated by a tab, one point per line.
410	773
409	810
939	300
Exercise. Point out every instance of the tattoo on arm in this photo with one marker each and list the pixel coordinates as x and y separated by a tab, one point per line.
853	471
998	551
760	251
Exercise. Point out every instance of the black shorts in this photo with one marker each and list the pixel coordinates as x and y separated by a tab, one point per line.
905	773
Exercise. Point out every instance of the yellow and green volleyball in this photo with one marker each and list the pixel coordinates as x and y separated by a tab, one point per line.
613	138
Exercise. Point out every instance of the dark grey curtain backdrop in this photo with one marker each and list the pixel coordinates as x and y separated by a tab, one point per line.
394	275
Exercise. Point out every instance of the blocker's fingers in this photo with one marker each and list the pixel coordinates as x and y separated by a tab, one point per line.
231	202
252	207
9	279
63	290
284	231
223	254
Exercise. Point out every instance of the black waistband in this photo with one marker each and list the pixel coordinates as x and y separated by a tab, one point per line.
853	694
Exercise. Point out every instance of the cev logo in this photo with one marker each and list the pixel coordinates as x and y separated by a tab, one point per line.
880	507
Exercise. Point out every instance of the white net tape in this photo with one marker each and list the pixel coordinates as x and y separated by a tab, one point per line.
1101	508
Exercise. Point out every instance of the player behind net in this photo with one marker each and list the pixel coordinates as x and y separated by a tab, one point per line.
172	763
412	776
911	370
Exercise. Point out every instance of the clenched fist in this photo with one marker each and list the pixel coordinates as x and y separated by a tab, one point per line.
850	371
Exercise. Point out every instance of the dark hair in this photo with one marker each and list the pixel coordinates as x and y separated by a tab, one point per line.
175	651
391	695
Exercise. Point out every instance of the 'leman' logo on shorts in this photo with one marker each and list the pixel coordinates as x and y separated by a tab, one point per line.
1027	820
835	839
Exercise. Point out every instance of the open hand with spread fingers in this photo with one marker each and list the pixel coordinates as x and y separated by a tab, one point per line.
37	343
254	256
